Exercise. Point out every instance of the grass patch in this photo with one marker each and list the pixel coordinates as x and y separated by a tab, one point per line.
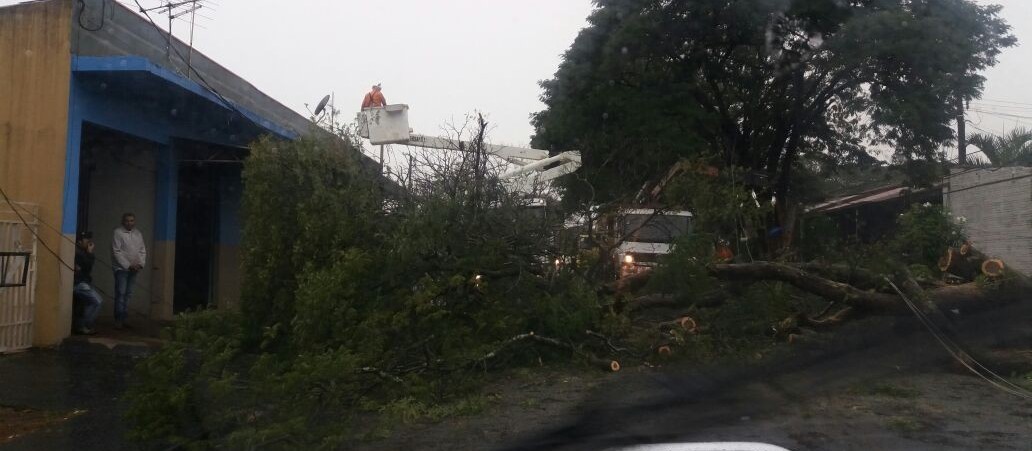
906	424
1024	380
530	403
409	410
888	390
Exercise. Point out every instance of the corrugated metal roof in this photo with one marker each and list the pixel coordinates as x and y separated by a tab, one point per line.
876	195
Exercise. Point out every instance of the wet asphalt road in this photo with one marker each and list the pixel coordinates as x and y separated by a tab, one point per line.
796	401
72	378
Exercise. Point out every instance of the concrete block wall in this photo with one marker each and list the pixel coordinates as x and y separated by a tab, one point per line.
997	206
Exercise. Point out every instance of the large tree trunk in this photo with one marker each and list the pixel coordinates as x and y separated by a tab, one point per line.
967	263
826	288
858	277
1010	288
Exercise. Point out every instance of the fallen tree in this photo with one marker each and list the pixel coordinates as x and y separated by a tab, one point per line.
870	293
967	263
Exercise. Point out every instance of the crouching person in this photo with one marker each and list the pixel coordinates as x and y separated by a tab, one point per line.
83	293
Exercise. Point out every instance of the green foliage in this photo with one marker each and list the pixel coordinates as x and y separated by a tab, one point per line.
304	202
360	307
775	86
1024	380
684	269
923	233
907	425
820	237
720	204
1015	148
167	404
408	409
890	390
744	325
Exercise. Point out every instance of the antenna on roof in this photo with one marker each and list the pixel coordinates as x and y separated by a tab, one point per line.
176	10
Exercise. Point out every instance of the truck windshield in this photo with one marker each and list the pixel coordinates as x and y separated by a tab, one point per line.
658	228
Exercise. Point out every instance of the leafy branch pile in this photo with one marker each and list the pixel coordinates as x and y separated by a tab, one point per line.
356	298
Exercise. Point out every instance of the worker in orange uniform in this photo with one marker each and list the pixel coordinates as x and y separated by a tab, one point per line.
374	99
723	253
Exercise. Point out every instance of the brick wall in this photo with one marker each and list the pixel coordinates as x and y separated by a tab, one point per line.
997	204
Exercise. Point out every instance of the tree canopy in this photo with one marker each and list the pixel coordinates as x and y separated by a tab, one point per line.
1014	148
772	86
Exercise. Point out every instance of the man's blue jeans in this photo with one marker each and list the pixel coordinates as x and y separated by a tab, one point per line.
85	294
123	293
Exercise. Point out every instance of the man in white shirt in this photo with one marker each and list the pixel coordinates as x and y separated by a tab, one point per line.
129	255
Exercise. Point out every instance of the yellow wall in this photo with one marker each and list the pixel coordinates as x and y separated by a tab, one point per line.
163	264
35	71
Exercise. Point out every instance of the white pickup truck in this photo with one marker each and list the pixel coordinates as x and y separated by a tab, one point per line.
647	234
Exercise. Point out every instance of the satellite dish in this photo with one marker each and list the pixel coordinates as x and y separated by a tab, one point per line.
322	105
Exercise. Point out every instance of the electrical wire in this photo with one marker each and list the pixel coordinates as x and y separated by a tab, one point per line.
1016	118
15	207
984	99
103	15
226	103
1000	113
33	231
957	352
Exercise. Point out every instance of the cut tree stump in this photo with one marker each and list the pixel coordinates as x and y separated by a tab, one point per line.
968	262
993	268
965	248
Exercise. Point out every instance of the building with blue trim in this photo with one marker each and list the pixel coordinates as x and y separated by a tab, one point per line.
101	113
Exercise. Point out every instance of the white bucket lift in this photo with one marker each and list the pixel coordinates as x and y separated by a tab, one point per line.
389	125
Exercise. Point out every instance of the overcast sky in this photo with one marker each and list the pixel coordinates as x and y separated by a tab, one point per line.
446	58
1007	101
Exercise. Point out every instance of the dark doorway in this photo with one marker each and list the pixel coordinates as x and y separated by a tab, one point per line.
196	215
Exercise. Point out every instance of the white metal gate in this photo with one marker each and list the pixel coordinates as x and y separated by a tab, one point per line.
18	304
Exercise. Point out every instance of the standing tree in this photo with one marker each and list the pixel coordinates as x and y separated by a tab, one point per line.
772	86
1013	149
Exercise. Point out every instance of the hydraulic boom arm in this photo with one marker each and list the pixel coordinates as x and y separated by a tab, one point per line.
389	125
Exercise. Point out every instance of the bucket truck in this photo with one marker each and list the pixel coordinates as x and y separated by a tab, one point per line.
531	167
646	233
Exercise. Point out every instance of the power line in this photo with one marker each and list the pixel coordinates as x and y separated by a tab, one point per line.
1004	116
1003	107
1000	113
33	231
957	352
14	207
200	77
985	99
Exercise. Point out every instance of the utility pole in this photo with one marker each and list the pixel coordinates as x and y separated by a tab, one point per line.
961	138
168	46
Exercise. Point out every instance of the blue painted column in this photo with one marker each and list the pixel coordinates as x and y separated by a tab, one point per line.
163	262
73	155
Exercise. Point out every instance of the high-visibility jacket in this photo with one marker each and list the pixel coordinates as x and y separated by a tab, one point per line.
374	99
